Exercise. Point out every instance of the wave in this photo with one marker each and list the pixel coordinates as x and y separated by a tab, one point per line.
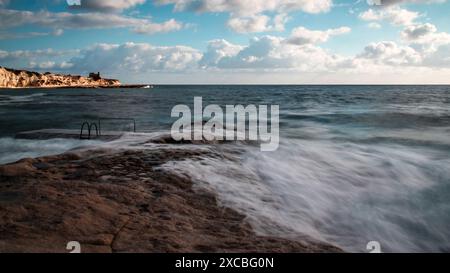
344	194
12	150
12	99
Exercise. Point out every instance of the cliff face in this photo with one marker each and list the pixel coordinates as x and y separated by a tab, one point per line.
10	78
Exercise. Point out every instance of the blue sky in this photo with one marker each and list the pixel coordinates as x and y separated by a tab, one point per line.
231	41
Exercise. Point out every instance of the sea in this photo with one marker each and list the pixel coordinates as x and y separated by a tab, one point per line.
356	164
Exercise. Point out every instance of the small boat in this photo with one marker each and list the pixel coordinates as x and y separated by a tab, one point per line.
148	87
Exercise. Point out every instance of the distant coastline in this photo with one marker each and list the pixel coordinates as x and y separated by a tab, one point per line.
123	86
17	79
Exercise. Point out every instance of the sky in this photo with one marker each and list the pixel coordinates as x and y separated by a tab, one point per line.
231	41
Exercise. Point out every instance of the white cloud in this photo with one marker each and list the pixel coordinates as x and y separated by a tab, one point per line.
9	35
50	65
66	20
393	14
257	23
250	16
390	53
132	58
415	32
34	59
58	32
250	7
439	58
267	59
425	47
394	2
422	51
301	35
5	35
425	36
217	50
269	53
151	28
32	54
374	25
136	58
102	5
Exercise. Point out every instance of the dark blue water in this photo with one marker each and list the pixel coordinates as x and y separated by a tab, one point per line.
355	164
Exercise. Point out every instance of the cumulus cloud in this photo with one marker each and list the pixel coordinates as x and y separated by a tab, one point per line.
66	20
102	5
301	35
250	16
416	32
300	52
250	7
266	54
58	32
257	23
422	49
422	44
5	35
393	14
269	53
390	53
138	58
374	25
151	28
425	48
439	58
32	54
394	2
425	37
50	65
217	50
37	59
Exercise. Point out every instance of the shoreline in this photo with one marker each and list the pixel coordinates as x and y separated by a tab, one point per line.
123	202
126	86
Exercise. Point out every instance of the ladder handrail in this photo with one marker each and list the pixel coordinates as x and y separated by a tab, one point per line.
82	129
98	126
90	126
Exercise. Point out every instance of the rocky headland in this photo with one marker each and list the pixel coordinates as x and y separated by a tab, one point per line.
11	78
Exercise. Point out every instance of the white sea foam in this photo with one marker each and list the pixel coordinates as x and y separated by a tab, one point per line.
12	150
346	194
8	99
340	192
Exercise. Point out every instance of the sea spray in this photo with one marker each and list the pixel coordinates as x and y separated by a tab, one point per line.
346	194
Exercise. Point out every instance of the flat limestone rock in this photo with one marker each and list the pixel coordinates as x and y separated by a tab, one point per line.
122	202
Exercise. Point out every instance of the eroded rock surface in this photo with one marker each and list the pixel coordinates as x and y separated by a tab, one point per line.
122	202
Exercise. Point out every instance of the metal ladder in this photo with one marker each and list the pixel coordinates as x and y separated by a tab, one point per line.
89	127
98	127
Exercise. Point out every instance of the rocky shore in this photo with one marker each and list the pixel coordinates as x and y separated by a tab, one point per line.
11	78
122	202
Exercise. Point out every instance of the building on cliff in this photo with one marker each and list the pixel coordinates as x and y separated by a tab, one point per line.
95	76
